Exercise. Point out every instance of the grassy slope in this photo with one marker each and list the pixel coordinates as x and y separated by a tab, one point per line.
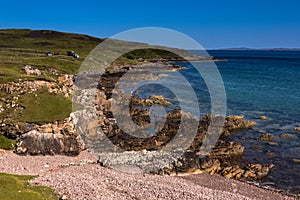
17	187
25	47
45	107
20	47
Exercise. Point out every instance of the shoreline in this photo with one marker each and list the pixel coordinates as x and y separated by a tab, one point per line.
81	177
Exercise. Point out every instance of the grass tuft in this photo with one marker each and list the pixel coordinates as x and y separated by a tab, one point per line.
16	187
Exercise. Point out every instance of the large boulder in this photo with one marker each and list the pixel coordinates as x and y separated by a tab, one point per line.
36	143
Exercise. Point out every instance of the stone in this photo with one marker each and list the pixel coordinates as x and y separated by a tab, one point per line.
257	171
266	136
286	135
236	122
36	143
63	197
296	160
29	70
263	117
211	166
272	143
226	150
297	129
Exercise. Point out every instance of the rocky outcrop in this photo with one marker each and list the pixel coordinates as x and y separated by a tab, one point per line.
64	86
266	137
249	172
152	100
225	150
36	143
29	70
236	122
47	139
221	159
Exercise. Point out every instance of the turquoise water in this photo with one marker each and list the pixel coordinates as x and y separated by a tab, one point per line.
256	83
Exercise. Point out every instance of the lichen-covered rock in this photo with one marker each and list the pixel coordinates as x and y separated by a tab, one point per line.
36	143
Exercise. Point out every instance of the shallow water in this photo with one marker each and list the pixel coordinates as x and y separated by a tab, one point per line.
256	83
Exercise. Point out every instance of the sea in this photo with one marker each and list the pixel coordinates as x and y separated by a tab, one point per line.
256	83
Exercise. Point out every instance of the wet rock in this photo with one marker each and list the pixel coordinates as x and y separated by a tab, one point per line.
236	122
286	135
233	172
296	160
211	166
227	150
263	117
297	129
270	154
158	100
249	172
257	171
266	136
272	143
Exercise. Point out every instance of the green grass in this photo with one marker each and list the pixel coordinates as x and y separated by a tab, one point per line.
44	107
16	187
6	143
20	47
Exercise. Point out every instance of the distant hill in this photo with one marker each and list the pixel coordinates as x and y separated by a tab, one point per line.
20	47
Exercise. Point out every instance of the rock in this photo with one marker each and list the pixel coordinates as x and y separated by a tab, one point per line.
272	143
263	117
29	70
35	143
257	171
236	122
235	117
297	129
63	197
286	135
270	154
211	166
156	97
266	136
227	150
233	172
296	160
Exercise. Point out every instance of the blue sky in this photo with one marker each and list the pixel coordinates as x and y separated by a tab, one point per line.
214	24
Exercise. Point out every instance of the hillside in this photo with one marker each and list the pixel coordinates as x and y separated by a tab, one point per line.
20	47
42	94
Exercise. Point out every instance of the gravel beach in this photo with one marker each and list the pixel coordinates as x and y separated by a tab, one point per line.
81	178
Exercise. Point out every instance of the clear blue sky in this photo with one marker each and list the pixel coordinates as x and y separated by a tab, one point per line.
214	24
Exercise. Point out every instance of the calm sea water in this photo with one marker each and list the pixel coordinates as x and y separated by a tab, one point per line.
256	83
265	83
